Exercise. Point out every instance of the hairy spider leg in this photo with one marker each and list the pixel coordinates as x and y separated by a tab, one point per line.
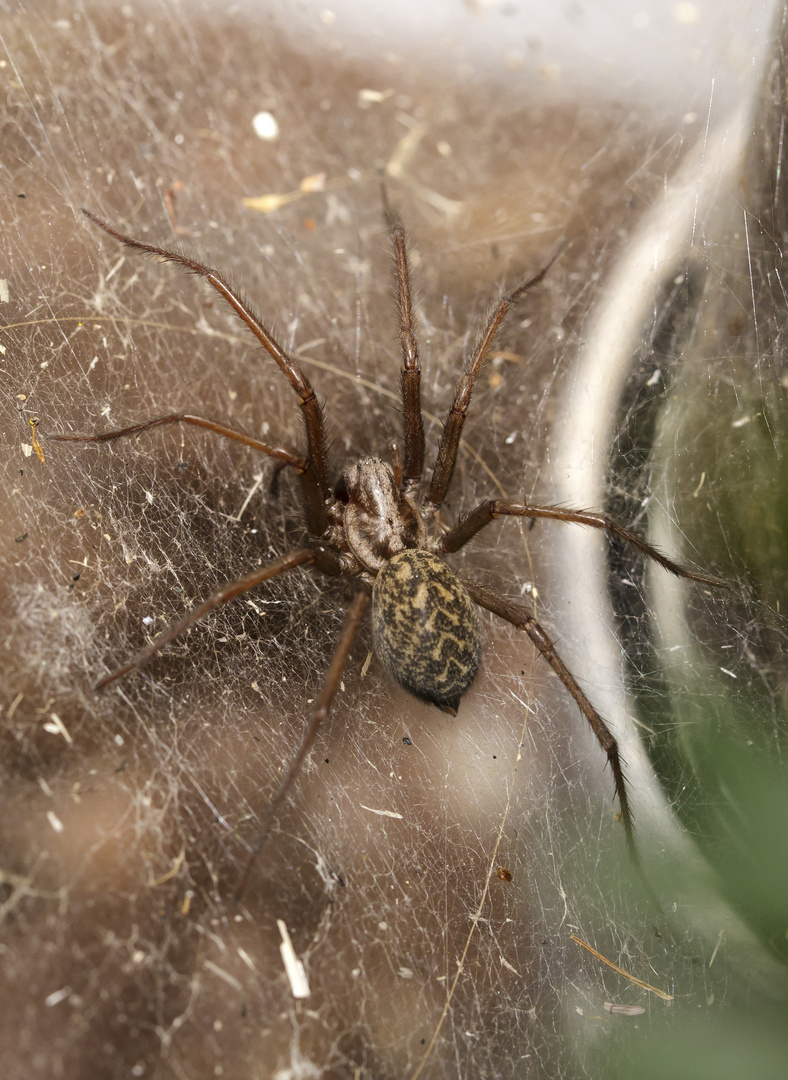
228	591
413	464
353	619
284	456
471	523
315	487
452	430
524	620
312	497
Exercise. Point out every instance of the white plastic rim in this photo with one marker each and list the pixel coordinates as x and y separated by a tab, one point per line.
585	426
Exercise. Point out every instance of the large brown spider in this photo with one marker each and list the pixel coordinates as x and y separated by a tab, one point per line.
375	529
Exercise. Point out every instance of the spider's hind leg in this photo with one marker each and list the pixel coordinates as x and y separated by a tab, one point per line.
353	619
300	557
523	620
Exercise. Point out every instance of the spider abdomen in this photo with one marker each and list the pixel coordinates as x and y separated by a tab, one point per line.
426	629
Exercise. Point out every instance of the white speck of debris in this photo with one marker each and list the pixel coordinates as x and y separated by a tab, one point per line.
315	182
55	726
55	822
265	126
4	294
57	996
720	939
294	969
509	967
367	96
382	813
247	959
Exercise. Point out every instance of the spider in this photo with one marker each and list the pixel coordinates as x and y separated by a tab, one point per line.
378	529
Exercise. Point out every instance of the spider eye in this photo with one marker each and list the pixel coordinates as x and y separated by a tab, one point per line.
340	491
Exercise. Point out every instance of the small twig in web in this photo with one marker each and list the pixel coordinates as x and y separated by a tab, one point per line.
620	971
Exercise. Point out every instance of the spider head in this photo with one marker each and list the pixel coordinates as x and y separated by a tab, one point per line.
380	520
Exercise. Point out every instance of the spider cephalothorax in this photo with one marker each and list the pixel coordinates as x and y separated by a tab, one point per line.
379	520
425	625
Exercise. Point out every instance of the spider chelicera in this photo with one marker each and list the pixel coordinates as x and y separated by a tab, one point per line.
376	528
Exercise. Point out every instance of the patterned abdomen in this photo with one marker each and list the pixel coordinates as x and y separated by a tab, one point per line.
426	628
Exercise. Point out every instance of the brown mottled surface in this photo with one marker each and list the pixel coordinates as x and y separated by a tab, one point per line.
425	628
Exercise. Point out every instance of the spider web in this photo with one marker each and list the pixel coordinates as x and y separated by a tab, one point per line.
432	875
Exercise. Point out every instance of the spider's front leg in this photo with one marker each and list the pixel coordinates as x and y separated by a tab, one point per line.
314	475
452	430
410	376
524	620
